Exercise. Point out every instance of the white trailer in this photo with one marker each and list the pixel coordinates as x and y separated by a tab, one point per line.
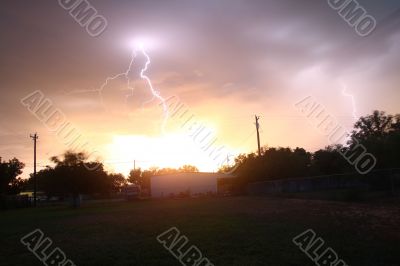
184	184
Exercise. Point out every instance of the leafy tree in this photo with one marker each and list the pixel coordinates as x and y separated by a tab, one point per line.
166	171
141	178
135	176
329	161
379	133
49	182
372	127
188	169
9	171
274	163
116	182
71	176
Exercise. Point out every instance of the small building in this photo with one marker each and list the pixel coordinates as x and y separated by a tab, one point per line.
185	184
40	195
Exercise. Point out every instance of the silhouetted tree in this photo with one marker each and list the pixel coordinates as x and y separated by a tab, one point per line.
165	171
329	161
135	176
274	163
116	182
142	178
374	127
380	135
9	171
188	169
74	175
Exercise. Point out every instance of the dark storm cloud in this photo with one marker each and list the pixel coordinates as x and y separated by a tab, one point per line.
228	41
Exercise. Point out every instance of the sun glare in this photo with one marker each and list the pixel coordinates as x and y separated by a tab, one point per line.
165	151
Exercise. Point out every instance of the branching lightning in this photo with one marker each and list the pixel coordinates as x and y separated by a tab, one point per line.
155	94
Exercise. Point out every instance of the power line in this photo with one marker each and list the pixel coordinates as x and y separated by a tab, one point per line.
258	135
34	137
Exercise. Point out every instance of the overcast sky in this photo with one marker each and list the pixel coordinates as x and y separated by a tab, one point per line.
227	60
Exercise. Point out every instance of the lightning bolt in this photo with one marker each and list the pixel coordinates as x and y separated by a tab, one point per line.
345	93
156	94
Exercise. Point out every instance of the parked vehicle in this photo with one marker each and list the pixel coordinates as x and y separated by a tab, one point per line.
131	192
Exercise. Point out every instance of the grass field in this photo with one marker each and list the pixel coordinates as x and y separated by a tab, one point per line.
228	231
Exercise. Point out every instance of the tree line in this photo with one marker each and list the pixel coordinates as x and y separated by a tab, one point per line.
73	174
378	133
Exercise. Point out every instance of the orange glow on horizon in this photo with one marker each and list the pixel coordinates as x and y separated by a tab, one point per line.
172	151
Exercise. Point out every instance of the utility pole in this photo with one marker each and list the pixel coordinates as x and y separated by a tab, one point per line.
258	134
34	137
134	165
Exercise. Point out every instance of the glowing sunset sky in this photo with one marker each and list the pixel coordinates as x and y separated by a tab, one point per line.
225	60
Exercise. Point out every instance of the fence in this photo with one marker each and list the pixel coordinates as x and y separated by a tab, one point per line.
12	202
380	180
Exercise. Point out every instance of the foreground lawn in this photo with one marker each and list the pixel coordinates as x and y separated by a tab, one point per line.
228	231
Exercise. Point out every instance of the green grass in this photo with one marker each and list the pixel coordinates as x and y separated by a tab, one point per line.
229	231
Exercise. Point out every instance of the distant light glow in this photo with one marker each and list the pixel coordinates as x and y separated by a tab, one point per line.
173	150
143	43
